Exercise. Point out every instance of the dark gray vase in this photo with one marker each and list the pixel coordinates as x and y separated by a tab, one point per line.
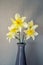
21	58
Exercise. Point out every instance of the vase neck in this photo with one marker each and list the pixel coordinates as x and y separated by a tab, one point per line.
21	46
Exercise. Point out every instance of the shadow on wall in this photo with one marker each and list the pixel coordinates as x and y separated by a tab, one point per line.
31	53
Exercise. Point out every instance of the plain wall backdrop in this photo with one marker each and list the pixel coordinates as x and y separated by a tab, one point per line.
32	9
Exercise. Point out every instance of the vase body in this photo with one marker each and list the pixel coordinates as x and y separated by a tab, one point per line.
21	58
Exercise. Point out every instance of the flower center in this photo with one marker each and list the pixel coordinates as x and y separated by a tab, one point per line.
19	23
30	32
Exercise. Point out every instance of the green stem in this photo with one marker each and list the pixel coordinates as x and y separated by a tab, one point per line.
16	37
23	38
19	37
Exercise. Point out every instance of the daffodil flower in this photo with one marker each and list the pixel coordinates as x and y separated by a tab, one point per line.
19	22
10	36
30	32
12	33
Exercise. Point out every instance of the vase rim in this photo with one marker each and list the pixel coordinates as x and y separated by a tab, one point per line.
21	43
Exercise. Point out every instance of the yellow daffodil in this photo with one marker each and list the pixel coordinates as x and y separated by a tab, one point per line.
31	24
30	32
10	36
12	33
19	21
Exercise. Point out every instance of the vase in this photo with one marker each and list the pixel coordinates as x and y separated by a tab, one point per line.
21	58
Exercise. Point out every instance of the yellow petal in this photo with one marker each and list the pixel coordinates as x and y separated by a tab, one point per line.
33	37
23	18
36	34
27	37
25	25
19	29
11	27
9	34
13	21
30	24
17	16
35	26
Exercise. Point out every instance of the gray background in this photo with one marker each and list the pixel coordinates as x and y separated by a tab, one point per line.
32	9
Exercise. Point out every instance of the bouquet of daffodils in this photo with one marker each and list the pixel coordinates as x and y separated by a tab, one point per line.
20	26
